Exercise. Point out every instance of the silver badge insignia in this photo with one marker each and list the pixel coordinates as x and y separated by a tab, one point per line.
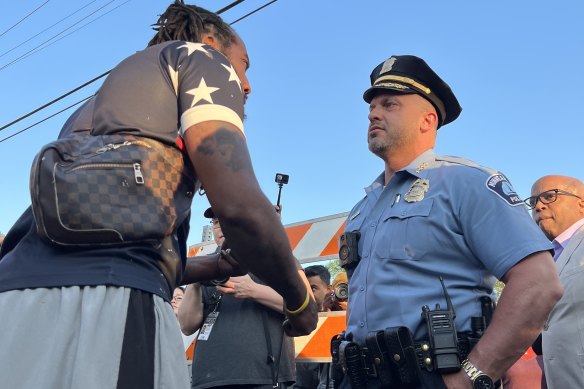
387	65
417	190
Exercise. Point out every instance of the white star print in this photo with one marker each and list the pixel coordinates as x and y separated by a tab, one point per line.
174	78
232	75
202	92
194	47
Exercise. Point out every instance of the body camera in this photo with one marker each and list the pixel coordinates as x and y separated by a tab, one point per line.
348	249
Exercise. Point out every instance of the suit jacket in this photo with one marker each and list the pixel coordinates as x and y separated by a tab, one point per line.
563	335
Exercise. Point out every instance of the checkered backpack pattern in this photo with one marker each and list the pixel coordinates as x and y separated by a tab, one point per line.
110	189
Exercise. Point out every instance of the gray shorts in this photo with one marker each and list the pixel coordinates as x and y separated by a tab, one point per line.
92	337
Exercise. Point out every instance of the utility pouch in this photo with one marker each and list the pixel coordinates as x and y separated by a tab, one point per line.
353	364
400	346
378	352
336	368
110	190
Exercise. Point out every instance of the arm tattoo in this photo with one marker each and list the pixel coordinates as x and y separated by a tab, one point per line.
228	146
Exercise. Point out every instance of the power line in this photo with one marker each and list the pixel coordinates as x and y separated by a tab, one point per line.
45	119
37	49
229	6
48	28
254	11
30	52
105	74
24	18
53	101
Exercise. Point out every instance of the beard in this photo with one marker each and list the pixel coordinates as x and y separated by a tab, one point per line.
389	140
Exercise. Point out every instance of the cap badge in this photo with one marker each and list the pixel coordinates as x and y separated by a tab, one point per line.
387	65
417	190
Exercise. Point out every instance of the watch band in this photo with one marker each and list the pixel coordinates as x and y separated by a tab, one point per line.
477	377
471	370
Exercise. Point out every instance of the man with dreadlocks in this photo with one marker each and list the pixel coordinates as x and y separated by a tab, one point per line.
99	316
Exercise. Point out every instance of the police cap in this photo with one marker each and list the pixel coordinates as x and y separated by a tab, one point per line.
409	74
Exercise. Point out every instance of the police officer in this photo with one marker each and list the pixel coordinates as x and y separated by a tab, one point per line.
428	217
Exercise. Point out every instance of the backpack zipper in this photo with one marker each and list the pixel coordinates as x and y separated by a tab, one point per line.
138	177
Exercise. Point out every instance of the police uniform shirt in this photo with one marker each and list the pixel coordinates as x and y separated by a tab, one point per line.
439	216
159	93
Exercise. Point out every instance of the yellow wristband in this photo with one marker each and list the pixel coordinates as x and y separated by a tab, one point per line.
302	307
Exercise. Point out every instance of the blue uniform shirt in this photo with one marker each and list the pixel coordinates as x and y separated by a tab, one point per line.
439	216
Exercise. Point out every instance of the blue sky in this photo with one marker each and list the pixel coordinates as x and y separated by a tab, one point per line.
516	68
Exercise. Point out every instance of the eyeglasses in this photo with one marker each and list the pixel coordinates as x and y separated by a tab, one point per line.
547	197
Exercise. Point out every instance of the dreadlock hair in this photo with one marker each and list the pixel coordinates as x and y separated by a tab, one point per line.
189	23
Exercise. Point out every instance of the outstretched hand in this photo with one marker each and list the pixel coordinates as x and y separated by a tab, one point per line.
228	266
240	287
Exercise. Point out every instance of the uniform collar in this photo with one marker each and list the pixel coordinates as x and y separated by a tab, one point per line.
423	161
415	168
377	184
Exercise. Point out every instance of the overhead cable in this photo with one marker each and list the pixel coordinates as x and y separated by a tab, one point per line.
46	29
24	18
28	53
103	75
36	49
45	119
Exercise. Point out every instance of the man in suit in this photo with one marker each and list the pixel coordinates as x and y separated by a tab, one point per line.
557	204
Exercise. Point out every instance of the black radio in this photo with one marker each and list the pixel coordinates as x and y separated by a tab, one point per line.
442	335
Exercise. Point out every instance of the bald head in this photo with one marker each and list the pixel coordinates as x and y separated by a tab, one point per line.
568	207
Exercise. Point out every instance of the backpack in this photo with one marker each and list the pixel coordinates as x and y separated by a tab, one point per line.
110	190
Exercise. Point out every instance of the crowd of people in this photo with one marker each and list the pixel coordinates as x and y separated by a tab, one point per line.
421	251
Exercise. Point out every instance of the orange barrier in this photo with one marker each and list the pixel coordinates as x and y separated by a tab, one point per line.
312	240
190	351
316	346
310	348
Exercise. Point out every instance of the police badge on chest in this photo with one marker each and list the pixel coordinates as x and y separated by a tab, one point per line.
417	190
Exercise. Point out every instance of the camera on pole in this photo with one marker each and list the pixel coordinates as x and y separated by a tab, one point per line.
281	179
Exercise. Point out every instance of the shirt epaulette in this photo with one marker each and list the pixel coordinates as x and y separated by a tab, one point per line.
465	162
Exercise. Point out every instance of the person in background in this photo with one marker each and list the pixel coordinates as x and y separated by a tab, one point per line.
311	375
337	299
557	207
241	343
177	298
320	282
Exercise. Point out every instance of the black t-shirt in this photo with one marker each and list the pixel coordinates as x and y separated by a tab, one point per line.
236	351
160	93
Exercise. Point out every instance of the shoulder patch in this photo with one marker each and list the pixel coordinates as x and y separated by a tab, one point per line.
499	184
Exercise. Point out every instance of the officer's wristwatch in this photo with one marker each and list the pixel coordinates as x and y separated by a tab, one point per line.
479	379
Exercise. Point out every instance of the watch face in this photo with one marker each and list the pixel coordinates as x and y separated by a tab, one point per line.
483	382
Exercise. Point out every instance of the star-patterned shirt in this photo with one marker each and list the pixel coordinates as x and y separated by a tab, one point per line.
160	93
187	81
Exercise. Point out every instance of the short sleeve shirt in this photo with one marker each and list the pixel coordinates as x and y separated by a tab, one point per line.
236	351
438	217
160	92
